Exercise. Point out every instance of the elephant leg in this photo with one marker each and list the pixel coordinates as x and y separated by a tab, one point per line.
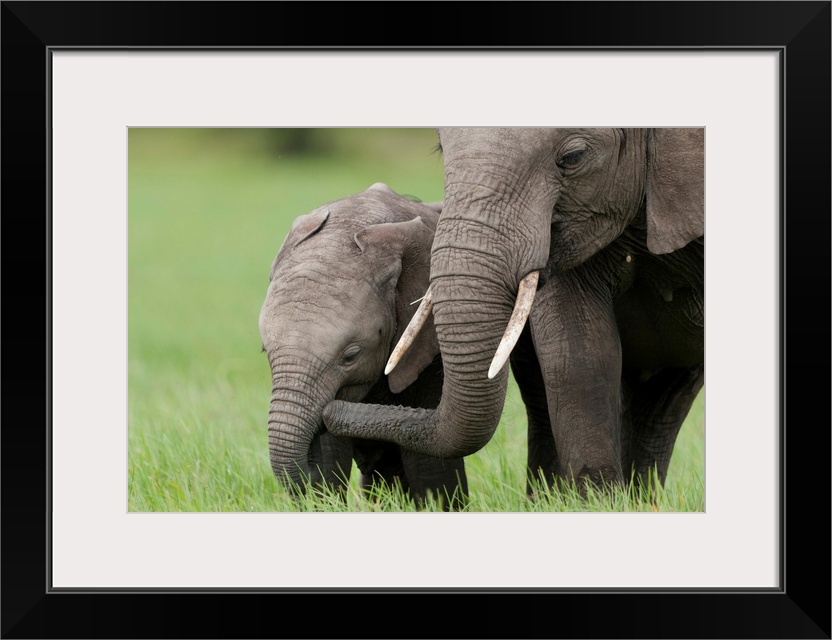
576	340
443	477
330	461
542	455
656	409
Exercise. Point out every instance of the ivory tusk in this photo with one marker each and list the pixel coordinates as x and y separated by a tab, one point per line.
522	308
410	333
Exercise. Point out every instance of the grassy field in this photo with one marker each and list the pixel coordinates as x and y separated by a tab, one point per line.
208	210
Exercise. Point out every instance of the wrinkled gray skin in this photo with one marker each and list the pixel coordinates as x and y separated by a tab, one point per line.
339	296
614	346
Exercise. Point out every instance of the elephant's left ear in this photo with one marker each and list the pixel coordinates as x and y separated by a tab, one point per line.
405	247
675	188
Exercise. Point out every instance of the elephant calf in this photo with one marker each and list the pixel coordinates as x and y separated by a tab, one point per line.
340	294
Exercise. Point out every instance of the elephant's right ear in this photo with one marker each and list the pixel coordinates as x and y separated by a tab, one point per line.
303	227
675	188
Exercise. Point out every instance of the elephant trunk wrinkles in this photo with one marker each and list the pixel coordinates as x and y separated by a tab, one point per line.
294	419
472	305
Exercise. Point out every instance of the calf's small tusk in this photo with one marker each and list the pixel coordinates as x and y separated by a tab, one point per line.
410	333
522	308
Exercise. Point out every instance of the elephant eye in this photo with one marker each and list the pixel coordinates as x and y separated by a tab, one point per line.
571	159
350	355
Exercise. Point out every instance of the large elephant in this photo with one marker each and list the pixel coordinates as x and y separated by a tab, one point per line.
340	294
607	227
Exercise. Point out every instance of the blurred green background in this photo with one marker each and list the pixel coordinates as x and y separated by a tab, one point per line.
208	210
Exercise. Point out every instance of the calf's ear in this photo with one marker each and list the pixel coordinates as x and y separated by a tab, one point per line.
675	188
400	252
303	227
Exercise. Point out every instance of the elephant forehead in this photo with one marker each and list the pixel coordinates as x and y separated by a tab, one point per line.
321	286
321	298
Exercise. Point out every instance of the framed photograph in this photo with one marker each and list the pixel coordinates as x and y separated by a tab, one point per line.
147	153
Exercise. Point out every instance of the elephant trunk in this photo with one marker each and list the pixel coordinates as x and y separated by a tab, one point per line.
294	420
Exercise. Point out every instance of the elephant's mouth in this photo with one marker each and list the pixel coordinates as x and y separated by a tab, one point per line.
354	392
349	394
526	291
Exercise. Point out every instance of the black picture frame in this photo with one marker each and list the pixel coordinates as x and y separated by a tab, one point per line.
800	608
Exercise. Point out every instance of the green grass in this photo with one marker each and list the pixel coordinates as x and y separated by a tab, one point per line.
207	213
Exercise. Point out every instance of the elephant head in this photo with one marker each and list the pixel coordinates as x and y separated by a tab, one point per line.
340	294
522	206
